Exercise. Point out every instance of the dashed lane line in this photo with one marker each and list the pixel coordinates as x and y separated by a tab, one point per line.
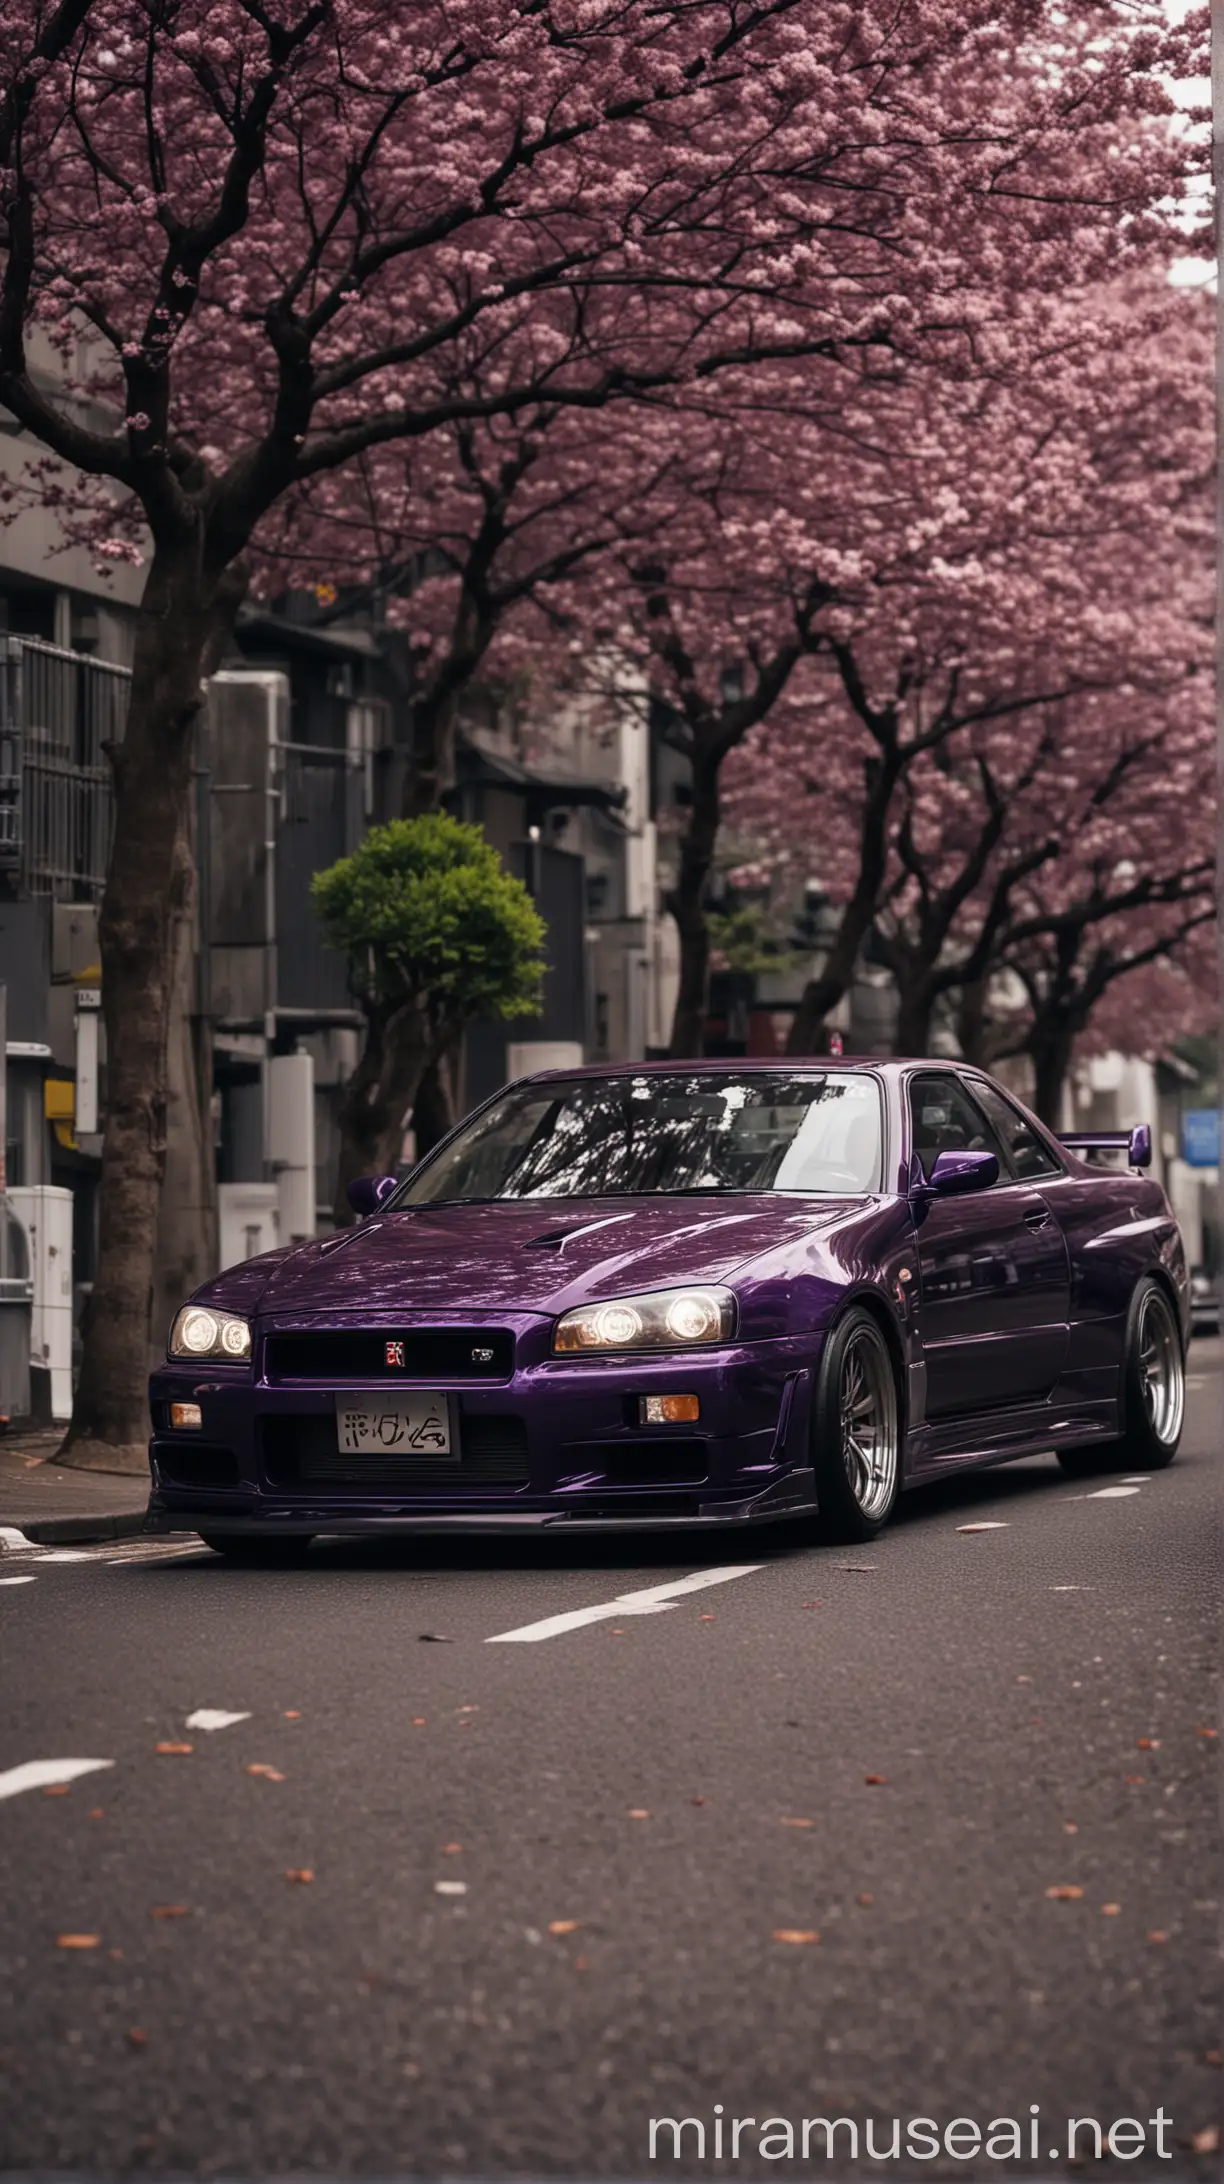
652	1600
41	1774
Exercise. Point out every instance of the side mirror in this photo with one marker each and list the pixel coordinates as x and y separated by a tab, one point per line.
956	1173
366	1193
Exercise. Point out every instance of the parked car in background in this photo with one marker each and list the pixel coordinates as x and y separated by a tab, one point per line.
1204	1302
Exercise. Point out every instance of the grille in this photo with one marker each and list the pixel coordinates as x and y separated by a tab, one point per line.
438	1354
302	1453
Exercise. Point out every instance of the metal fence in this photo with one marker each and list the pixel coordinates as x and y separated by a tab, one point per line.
58	712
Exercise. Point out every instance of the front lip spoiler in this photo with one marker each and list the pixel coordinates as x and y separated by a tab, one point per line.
792	1496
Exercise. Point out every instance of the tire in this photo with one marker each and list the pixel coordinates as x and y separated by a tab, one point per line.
280	1551
1153	1393
857	1469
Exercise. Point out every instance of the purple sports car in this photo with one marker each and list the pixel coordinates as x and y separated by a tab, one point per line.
710	1293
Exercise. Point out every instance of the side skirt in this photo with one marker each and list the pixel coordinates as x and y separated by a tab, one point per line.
999	1437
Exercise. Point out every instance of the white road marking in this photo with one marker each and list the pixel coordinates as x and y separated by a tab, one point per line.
16	1580
100	1553
988	1524
213	1717
39	1774
155	1550
652	1600
450	1888
1111	1493
1136	1478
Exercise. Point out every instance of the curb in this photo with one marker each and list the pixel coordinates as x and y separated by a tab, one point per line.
80	1531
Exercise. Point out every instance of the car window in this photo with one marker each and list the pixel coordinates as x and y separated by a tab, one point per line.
944	1119
1025	1150
664	1132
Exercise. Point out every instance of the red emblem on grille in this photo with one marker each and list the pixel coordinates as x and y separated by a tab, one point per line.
395	1353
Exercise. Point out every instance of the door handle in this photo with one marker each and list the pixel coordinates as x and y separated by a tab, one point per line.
1036	1217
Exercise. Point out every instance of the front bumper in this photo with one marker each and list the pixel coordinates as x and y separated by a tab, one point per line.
581	1460
793	1496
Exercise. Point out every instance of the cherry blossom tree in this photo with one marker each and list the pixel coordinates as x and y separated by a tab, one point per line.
1093	858
1014	681
1077	938
270	238
1152	1008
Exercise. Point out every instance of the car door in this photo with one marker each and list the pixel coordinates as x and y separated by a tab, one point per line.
994	1274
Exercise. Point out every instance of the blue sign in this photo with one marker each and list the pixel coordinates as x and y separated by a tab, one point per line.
1201	1137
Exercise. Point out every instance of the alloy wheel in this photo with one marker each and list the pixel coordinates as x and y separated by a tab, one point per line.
1161	1371
868	1407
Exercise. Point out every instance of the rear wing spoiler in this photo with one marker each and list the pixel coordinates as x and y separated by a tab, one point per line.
1136	1143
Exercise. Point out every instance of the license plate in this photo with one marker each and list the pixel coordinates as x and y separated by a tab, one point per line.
416	1424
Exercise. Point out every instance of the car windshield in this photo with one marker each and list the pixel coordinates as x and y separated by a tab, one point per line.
626	1136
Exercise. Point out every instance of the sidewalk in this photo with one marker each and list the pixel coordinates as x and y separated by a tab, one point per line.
49	1502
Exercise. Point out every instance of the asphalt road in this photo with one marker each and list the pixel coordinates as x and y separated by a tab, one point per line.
549	1876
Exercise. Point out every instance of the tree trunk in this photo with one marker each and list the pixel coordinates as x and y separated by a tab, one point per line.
185	619
430	771
914	1013
1050	1047
186	1252
820	996
972	1030
433	1111
686	902
833	981
378	1098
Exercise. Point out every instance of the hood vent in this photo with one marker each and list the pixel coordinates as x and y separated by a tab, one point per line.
556	1239
551	1241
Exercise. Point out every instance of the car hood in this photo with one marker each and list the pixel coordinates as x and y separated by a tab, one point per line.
526	1255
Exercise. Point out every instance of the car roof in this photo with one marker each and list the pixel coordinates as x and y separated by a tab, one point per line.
740	1065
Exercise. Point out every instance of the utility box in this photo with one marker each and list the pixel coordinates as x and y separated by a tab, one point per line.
15	1299
291	1143
247	1221
45	1213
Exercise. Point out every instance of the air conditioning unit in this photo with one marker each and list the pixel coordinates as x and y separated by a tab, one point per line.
247	1221
45	1213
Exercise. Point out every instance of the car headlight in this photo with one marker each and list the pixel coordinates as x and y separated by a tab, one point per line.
667	1319
201	1330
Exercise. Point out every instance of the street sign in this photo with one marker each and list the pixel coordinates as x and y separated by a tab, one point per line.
85	1108
1200	1132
